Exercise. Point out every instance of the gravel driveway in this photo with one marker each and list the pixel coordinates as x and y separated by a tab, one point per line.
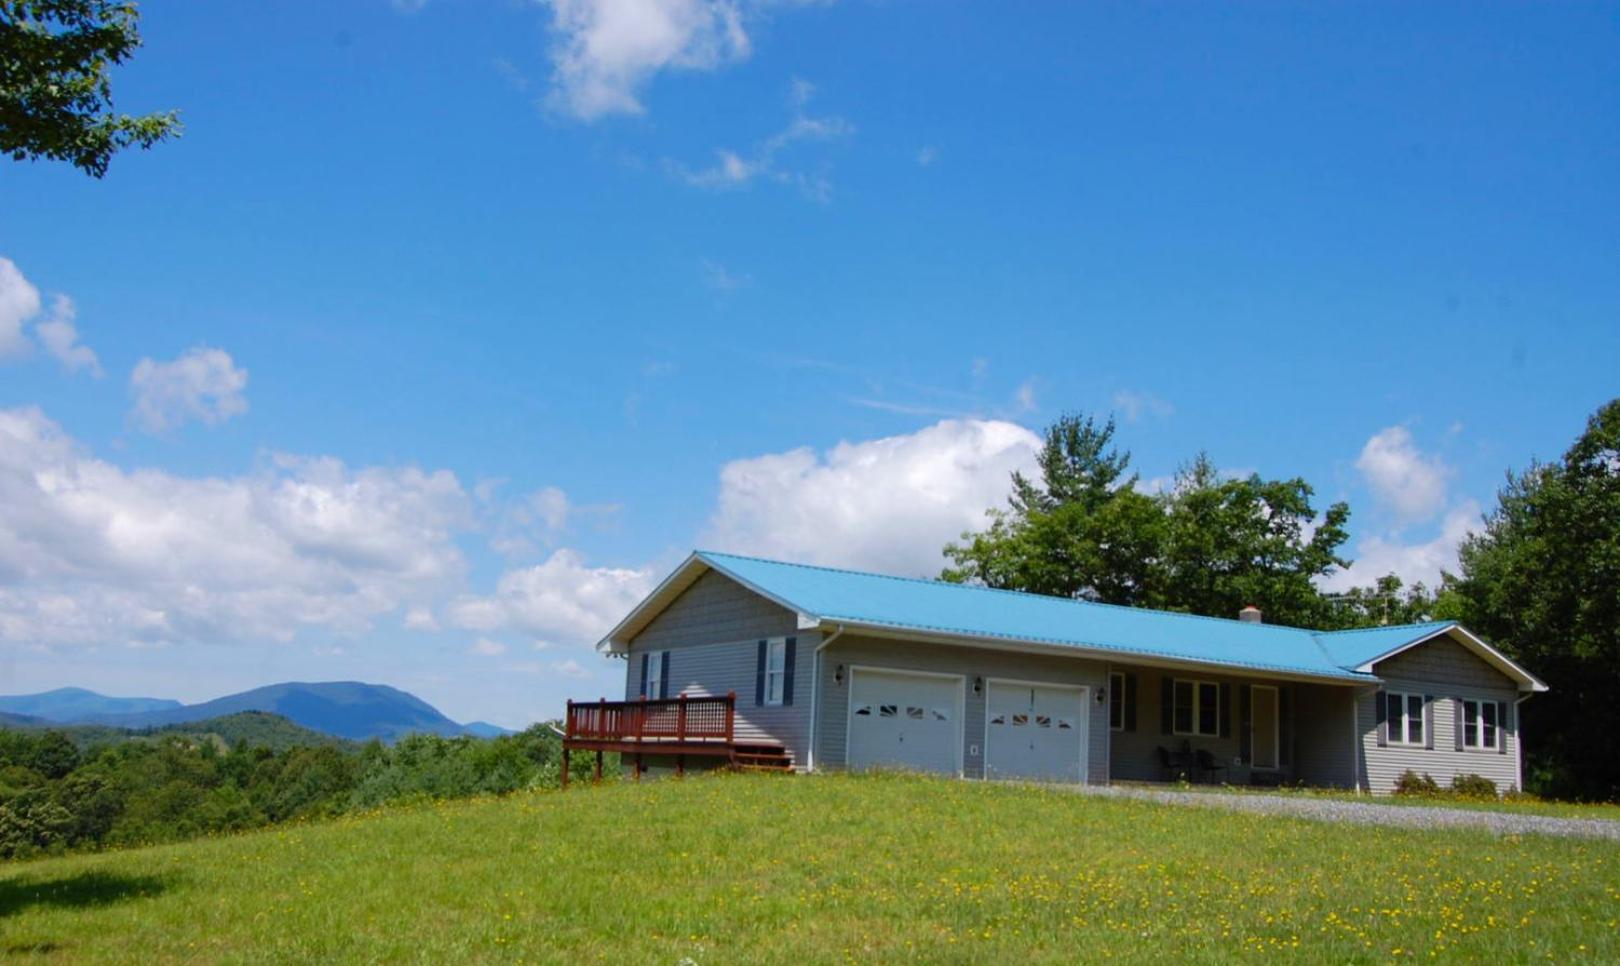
1372	813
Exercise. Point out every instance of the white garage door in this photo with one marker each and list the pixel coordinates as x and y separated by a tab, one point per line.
1035	732
900	719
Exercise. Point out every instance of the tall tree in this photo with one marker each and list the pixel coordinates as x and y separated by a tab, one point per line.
55	93
1543	582
1081	530
1231	542
1209	545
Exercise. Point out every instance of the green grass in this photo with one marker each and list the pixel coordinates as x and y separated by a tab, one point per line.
1527	806
765	868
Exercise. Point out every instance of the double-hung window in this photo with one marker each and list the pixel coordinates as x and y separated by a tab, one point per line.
775	671
1197	708
1480	727
1403	716
653	684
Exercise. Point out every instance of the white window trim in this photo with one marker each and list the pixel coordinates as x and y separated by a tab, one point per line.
1405	738
1116	699
1197	686
1479	725
654	685
775	680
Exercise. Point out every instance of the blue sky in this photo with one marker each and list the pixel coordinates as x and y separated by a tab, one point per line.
448	327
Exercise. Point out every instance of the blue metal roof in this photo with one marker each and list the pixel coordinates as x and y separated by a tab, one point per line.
875	600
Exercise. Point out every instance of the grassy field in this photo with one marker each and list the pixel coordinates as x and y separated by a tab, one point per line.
753	868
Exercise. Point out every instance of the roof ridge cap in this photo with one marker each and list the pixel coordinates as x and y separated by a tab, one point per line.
1384	627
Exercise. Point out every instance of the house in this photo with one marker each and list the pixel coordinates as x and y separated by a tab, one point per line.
746	660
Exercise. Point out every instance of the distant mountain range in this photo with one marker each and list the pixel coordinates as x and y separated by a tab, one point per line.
346	709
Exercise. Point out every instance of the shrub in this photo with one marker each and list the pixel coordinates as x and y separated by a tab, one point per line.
1411	783
1473	786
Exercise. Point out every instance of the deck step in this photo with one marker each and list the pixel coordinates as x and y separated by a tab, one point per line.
761	758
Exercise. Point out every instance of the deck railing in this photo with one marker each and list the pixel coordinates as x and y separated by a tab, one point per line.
682	720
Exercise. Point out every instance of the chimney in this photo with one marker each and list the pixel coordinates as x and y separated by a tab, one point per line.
1250	615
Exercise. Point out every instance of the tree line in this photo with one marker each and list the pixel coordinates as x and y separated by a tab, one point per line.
1539	579
55	796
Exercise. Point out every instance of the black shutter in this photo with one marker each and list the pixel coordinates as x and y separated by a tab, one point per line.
1167	697
1285	726
644	656
1245	725
1457	721
1226	710
1428	721
1501	727
787	671
663	674
759	675
1130	702
1380	714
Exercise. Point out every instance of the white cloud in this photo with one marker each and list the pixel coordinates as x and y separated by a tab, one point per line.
560	599
1134	405
1406	483
93	554
607	50
203	384
60	337
1025	396
885	504
1423	561
484	647
20	302
927	155
570	668
420	619
732	170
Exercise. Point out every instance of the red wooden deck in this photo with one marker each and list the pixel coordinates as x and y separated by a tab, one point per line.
682	726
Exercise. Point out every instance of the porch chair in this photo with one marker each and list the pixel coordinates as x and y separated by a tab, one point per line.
1167	768
1208	765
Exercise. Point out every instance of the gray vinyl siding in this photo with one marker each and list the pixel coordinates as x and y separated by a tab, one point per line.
1325	735
970	662
1320	751
712	632
1448	671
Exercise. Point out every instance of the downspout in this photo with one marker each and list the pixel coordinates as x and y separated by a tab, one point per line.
815	697
1356	750
1518	736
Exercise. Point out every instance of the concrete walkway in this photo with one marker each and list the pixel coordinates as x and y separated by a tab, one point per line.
1371	813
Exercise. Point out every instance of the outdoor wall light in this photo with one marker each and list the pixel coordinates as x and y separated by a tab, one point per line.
1102	695
978	685
838	675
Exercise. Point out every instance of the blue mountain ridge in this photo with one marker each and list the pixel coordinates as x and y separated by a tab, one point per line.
71	704
347	709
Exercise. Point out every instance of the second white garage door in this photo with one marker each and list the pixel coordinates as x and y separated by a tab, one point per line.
902	719
1035	731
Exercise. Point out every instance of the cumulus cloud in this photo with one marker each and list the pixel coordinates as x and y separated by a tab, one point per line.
886	504
202	384
19	303
606	51
560	599
91	553
60	337
1406	483
1422	560
484	647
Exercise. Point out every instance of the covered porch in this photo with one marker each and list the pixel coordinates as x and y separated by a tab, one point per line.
1201	726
